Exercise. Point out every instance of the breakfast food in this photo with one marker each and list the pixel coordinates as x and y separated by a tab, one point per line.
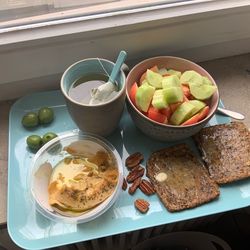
83	180
179	178
134	186
146	187
30	120
44	115
48	137
172	97
226	151
35	142
133	160
142	205
124	185
136	172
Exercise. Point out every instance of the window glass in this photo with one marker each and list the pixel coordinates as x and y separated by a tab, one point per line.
16	12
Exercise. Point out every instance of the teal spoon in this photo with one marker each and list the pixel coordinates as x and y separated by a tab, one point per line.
119	62
103	92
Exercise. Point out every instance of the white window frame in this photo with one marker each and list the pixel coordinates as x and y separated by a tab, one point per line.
41	51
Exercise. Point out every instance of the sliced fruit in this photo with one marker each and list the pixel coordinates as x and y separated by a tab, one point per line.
143	97
144	82
191	76
186	90
163	71
167	111
159	100
170	81
174	106
143	77
206	81
202	92
196	118
203	113
174	72
182	113
173	94
185	99
157	116
199	105
154	79
132	92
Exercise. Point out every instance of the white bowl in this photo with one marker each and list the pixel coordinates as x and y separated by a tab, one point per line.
48	157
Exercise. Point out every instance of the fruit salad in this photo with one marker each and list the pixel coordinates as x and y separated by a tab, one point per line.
172	97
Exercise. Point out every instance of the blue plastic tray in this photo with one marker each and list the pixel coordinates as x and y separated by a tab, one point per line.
30	230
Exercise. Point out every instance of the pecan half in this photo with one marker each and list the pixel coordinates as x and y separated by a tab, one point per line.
142	205
124	184
146	187
135	173
134	160
134	186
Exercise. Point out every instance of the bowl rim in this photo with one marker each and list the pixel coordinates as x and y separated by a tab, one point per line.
169	125
98	210
120	92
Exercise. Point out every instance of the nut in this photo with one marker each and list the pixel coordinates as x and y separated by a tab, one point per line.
146	187
134	160
135	173
142	205
124	184
134	186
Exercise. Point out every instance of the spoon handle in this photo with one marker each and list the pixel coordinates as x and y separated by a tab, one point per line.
231	113
120	60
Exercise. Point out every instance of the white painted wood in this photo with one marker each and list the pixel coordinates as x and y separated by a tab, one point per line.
34	65
16	89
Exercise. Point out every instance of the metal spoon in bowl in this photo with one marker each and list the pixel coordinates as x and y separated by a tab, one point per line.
231	113
104	91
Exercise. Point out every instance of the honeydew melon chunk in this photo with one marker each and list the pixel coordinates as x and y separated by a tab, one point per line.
144	82
143	97
182	113
159	100
206	81
173	94
171	81
202	92
191	76
163	71
199	105
174	72
154	79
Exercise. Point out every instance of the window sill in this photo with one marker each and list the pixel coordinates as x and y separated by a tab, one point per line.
68	23
33	56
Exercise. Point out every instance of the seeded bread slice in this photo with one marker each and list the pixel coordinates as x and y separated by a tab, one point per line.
225	149
187	182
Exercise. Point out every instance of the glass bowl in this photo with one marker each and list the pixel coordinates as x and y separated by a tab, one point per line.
54	152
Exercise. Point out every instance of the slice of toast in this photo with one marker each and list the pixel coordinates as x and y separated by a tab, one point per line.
180	179
225	149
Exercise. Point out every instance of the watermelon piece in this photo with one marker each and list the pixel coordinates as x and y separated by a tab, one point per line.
157	116
132	92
